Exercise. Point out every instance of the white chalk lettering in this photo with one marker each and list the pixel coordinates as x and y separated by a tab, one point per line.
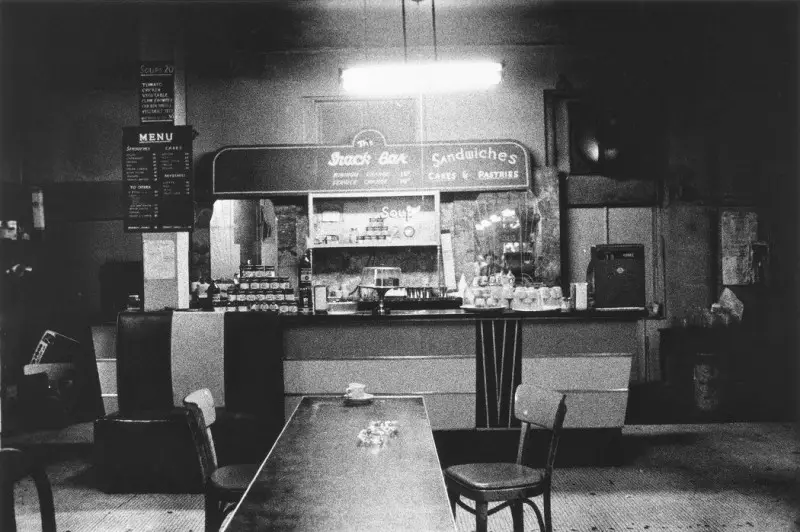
469	154
150	138
498	175
356	159
393	158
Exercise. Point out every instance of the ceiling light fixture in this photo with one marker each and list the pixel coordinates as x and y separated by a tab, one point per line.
427	77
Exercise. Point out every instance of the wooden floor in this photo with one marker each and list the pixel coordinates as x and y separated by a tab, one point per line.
710	477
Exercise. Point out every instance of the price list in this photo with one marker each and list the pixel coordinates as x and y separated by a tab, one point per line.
156	92
157	178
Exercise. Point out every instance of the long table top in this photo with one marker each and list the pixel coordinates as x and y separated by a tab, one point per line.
319	476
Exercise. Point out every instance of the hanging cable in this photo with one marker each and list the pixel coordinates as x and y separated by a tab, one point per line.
405	42
433	21
364	39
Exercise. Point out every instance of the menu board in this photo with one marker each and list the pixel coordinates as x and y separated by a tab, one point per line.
156	92
157	178
370	164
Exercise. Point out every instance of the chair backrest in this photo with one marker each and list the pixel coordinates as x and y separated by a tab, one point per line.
201	402
144	361
545	409
14	466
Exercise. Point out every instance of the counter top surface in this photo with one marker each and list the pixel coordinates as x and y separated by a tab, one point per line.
463	315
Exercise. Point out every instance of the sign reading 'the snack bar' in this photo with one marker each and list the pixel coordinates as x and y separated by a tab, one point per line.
370	164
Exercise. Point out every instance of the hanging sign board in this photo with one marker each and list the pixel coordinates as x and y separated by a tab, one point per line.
157	178
371	165
156	92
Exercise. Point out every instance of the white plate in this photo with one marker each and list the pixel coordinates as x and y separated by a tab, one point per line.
473	308
365	400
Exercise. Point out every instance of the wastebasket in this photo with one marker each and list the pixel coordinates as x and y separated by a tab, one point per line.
710	382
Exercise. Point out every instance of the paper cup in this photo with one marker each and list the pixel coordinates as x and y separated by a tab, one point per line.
355	390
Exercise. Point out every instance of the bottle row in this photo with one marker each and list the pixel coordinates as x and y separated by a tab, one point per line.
285	307
264	283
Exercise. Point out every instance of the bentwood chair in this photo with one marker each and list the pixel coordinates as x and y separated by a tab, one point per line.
14	466
513	484
223	486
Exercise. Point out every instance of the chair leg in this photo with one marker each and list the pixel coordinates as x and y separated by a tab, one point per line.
539	518
548	519
45	493
8	519
517	517
453	498
481	516
213	513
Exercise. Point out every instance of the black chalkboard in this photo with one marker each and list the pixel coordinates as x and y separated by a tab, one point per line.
157	178
156	92
371	165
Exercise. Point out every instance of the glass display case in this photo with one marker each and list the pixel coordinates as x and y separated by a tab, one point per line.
373	220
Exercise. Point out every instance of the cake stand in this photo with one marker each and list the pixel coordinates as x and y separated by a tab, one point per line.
381	279
381	309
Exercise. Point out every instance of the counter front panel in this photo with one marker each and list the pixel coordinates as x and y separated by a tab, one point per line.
431	358
465	365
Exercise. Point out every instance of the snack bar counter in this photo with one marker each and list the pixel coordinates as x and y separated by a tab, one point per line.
466	364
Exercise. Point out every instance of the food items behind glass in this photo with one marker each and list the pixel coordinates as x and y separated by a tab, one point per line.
381	276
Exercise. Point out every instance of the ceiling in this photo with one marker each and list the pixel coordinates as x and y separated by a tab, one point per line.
74	35
336	24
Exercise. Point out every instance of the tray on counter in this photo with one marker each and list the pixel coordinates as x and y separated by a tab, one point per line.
406	303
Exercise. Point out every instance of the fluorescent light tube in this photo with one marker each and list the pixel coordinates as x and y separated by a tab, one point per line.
411	78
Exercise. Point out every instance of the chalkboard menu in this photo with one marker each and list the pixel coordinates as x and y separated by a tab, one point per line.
156	92
371	165
157	178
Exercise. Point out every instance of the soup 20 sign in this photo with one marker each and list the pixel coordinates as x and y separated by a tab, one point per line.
156	92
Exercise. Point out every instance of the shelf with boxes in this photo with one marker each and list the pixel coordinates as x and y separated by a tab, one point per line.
256	289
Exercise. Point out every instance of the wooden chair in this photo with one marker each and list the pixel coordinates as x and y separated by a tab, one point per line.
513	483
223	485
14	466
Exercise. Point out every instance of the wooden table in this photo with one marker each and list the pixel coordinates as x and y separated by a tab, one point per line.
318	477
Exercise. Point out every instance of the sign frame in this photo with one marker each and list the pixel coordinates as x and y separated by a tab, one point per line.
156	92
370	164
157	178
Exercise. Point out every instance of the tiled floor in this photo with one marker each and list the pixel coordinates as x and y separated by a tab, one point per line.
710	477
